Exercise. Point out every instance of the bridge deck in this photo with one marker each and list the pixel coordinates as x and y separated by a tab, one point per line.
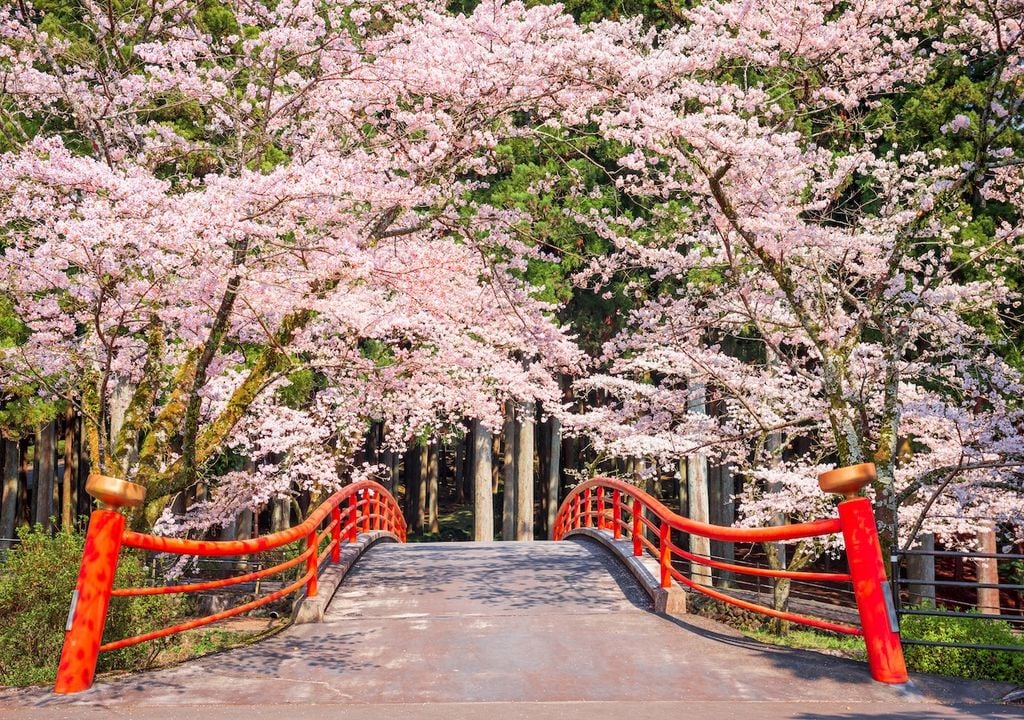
463	630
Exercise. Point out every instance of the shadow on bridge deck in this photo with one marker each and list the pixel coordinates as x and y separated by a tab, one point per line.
459	630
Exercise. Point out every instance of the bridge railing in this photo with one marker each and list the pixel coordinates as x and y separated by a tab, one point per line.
361	507
627	512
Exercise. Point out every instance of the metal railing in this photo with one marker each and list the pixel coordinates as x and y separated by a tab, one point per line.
626	511
364	506
947	607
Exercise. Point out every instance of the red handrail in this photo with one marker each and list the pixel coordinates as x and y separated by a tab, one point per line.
366	505
856	522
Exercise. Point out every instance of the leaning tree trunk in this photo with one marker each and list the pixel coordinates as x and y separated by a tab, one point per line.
483	508
524	474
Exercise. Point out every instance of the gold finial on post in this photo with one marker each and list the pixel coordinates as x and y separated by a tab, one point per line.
848	481
113	492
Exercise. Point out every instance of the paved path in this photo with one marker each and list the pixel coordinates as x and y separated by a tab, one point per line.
509	630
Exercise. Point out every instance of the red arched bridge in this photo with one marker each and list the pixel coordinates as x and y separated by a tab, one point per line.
593	624
631	523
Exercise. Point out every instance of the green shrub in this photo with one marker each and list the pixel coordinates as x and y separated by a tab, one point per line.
36	584
963	662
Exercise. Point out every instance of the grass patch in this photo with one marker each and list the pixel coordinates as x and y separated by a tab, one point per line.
456	526
225	635
839	645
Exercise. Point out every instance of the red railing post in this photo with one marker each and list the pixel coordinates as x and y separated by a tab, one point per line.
575	512
871	589
353	517
367	511
617	513
311	563
89	604
638	549
336	534
664	554
588	518
600	509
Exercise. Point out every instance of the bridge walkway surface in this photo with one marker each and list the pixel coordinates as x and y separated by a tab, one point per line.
501	631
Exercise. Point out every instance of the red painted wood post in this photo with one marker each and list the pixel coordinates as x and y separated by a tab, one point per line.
617	513
89	604
871	589
575	522
589	519
367	510
665	554
638	549
336	534
377	514
353	517
311	564
600	508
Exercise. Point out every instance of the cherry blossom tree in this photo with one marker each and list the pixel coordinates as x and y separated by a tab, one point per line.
810	276
269	222
208	204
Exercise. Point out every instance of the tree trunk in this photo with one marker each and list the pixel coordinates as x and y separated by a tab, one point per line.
777	551
987	569
120	399
24	515
243	530
280	514
483	506
722	512
70	480
460	472
922	567
412	475
508	472
697	493
394	468
434	477
554	464
697	500
387	478
372	444
9	505
496	442
45	474
423	466
83	503
524	474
